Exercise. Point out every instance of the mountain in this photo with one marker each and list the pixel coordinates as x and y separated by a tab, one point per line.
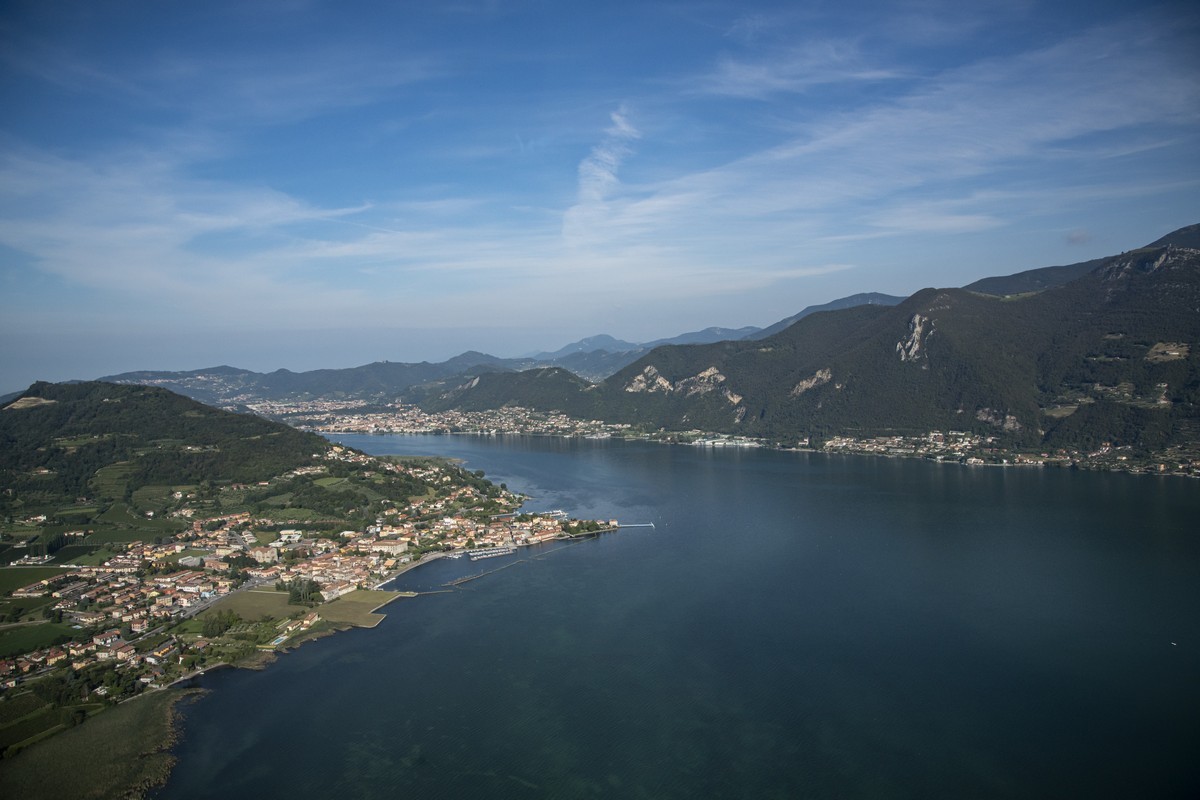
597	357
543	387
706	336
866	298
1038	280
383	381
1033	280
589	344
55	438
1112	356
1081	354
593	358
1184	237
598	364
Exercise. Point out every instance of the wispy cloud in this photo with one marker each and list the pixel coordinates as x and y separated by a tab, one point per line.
259	89
244	87
914	162
771	152
598	178
794	69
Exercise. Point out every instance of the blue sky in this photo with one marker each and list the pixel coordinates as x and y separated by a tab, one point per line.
306	184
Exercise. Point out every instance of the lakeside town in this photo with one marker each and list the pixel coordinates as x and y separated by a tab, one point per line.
233	588
226	578
333	417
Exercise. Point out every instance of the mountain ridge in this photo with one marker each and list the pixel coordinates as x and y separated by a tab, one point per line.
1110	356
1049	356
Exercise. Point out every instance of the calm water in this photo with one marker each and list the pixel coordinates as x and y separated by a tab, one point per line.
796	626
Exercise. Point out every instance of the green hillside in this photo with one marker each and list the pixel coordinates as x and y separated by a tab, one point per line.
1111	356
107	459
55	437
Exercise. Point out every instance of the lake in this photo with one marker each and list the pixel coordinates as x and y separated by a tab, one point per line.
795	625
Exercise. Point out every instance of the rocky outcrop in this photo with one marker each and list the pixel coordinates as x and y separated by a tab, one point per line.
651	380
1006	422
819	378
919	329
701	383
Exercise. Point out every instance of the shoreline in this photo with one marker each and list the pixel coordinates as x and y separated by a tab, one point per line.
763	444
123	751
146	765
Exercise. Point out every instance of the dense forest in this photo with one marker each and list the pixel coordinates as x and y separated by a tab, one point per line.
56	437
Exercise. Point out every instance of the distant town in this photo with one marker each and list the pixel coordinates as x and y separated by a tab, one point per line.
331	417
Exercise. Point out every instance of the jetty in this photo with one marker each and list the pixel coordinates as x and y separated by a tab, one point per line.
469	578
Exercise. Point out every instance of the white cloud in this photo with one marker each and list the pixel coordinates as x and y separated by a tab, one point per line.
916	161
598	179
792	70
681	201
246	87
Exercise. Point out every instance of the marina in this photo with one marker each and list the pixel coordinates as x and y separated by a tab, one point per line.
491	552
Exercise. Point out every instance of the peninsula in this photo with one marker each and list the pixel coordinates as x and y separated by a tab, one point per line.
146	538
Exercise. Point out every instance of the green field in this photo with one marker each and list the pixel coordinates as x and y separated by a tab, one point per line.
110	481
71	552
120	524
187	553
152	496
79	514
119	514
254	605
12	578
327	482
80	441
26	608
109	535
117	753
27	638
41	722
94	557
291	514
356	608
15	706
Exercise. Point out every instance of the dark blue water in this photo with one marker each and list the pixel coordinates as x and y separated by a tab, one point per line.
796	626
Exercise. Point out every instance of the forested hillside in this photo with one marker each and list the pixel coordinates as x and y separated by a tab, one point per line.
56	437
1109	356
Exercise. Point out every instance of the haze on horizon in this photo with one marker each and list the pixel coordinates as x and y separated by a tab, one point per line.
310	184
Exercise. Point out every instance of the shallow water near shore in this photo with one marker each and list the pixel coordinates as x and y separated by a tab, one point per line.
796	625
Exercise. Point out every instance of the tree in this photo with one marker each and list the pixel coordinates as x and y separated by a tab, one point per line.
303	591
217	622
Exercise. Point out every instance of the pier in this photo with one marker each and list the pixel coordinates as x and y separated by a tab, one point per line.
469	578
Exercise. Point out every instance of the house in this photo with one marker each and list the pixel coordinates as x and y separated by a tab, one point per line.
108	638
88	617
337	589
264	555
